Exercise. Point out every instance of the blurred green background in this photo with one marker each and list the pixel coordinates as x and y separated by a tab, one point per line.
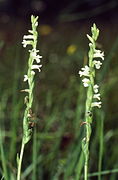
54	153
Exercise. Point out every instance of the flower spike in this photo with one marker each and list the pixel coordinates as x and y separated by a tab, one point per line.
93	95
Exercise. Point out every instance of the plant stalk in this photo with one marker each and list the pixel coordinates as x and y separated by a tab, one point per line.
20	161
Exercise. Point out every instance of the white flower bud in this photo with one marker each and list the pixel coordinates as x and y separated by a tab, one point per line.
85	71
35	56
96	96
96	104
28	37
35	66
95	88
86	82
25	78
97	64
99	54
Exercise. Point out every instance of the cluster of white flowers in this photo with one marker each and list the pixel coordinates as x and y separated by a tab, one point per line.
96	96
30	40
34	66
87	71
86	82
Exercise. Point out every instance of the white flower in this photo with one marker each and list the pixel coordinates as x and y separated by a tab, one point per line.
85	71
97	64
26	42
96	96
32	72
96	104
28	37
90	44
95	88
35	56
25	78
30	31
86	82
25	90
99	54
35	66
36	24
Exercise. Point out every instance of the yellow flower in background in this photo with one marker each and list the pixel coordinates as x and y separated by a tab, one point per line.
71	49
45	30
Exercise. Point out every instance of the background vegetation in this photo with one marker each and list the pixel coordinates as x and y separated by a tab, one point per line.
55	150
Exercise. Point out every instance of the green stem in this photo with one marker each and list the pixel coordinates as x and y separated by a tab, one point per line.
88	129
86	170
20	161
34	158
91	92
87	116
27	130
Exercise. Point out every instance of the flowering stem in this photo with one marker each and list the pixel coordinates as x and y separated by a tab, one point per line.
20	161
29	77
92	92
85	170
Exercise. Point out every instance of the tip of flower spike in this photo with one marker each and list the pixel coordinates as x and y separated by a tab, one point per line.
94	26
34	20
95	32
